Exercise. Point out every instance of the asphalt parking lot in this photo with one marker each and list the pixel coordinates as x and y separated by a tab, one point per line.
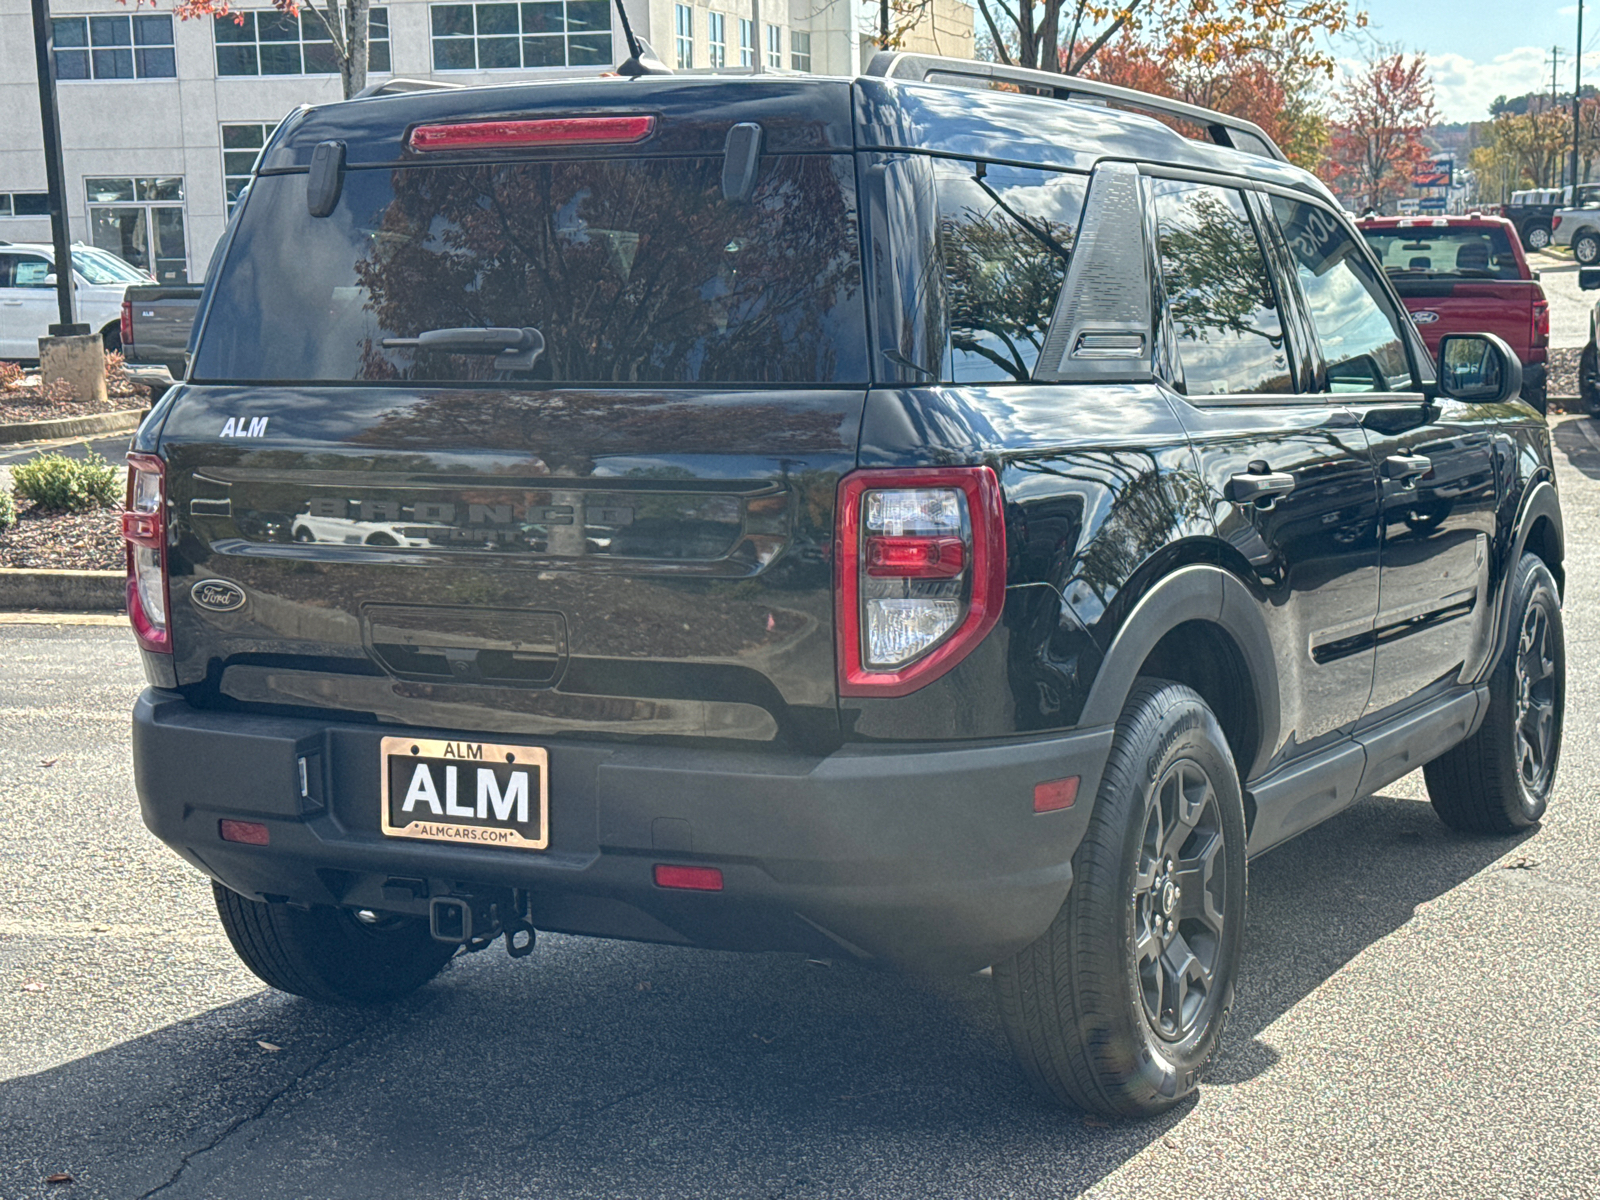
1419	1017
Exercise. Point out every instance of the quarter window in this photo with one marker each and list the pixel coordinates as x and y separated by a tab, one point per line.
1004	237
1360	338
800	50
276	43
1221	315
133	46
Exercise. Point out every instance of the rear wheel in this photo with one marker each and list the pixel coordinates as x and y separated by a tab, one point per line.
1120	1005
1589	378
1499	780
1538	237
1586	247
331	954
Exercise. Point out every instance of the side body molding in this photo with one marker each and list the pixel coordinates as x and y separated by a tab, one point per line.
1198	592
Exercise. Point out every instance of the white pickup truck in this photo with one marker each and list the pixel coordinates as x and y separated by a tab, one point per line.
28	294
1580	229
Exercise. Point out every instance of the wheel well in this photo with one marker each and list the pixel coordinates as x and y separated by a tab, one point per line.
1542	541
1201	655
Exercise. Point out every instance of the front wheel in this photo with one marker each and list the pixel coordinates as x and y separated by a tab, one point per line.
331	954
1499	780
1119	1006
1586	248
1538	237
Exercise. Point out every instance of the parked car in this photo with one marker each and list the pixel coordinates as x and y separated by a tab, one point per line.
28	303
1532	212
888	519
1459	274
1578	228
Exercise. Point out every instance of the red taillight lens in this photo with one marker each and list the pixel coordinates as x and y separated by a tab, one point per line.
693	879
144	528
1055	794
921	579
125	326
1555	222
248	833
548	131
1541	322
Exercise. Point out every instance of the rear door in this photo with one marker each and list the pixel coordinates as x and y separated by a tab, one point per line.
1435	465
1291	480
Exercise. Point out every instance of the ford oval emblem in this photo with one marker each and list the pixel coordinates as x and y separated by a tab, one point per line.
1425	317
217	595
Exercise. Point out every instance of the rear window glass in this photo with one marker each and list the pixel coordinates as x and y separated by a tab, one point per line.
1482	252
632	270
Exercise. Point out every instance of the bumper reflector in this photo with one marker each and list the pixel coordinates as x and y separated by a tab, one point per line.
251	833
695	879
1054	794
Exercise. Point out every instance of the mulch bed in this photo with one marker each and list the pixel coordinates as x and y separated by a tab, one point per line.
22	398
74	541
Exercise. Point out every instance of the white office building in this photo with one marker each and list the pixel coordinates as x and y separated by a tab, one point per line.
161	118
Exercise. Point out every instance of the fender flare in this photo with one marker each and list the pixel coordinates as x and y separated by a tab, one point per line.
1198	592
1541	501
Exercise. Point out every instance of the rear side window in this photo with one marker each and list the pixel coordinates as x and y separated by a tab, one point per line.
1221	312
633	271
1359	335
1005	235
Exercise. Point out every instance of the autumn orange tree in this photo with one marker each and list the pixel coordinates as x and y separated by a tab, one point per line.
1379	117
1066	35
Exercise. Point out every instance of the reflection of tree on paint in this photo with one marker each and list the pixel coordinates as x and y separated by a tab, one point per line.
1003	281
633	270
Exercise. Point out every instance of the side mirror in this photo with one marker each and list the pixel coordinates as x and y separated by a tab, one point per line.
1478	368
50	280
1589	279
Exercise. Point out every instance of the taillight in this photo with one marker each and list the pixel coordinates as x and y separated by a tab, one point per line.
144	528
547	131
1555	222
125	326
1541	323
922	574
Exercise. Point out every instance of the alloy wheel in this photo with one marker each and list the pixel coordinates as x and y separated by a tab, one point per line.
1538	239
1536	700
1178	897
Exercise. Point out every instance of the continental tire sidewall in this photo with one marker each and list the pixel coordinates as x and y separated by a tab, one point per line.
1534	586
1168	1071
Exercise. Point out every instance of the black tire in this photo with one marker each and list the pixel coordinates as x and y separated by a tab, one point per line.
1077	1003
1537	395
1589	378
1538	237
328	954
1586	248
111	338
1499	780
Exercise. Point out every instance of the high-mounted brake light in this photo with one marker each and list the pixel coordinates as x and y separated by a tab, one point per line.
144	528
921	574
546	131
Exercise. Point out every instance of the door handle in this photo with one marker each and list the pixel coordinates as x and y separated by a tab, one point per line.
1406	467
1262	488
12	303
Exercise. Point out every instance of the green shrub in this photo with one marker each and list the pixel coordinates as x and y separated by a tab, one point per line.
57	483
8	509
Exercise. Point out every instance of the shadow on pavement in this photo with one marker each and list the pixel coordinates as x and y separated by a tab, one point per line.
611	1069
1572	438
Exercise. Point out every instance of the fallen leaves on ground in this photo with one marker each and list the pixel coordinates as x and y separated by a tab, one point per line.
64	541
32	985
268	1046
60	1177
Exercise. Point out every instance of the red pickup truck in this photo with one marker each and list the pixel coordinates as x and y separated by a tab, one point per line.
1460	274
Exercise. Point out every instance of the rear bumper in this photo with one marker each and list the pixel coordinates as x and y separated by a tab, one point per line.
921	858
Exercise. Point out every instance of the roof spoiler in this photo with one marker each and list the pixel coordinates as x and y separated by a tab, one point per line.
1233	132
395	87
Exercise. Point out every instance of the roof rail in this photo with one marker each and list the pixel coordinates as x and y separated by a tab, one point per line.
394	87
1224	130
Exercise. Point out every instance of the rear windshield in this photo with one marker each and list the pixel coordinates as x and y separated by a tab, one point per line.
1482	252
632	271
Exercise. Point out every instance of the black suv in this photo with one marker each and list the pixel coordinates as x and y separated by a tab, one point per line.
897	519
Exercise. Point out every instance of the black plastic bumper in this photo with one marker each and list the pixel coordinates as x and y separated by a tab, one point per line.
924	858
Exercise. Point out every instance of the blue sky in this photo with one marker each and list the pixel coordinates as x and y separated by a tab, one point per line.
1480	49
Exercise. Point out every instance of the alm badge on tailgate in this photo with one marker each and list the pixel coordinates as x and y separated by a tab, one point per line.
471	793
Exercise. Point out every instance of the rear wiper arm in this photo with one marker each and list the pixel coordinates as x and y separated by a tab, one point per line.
516	349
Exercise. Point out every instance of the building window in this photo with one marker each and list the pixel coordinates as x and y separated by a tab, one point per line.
800	50
747	43
241	144
275	43
774	47
140	220
499	37
137	46
684	16
717	39
24	204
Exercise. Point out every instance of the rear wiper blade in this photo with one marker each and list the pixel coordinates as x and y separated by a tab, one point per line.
516	349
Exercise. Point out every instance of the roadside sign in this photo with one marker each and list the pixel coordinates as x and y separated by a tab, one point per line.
1436	173
1431	204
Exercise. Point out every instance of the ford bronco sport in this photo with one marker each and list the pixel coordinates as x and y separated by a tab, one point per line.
895	519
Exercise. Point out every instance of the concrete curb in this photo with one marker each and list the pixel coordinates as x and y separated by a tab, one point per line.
62	591
123	421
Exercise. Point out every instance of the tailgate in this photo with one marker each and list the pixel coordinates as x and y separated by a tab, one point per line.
1503	308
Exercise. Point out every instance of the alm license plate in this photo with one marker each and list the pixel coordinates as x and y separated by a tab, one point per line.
470	793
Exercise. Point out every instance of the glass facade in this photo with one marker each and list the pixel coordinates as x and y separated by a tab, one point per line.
498	37
276	43
135	46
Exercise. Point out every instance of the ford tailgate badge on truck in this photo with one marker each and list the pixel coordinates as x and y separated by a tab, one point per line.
217	595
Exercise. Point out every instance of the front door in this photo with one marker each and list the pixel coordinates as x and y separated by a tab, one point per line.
28	304
1292	481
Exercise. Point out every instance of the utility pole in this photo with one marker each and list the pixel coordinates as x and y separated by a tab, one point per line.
1555	58
1577	90
55	177
883	24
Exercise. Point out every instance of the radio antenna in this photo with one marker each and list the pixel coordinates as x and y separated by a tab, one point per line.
642	59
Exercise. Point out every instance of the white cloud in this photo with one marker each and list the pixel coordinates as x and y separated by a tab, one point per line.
1463	89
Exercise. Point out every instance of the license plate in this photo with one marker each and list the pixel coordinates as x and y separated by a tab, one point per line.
469	793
